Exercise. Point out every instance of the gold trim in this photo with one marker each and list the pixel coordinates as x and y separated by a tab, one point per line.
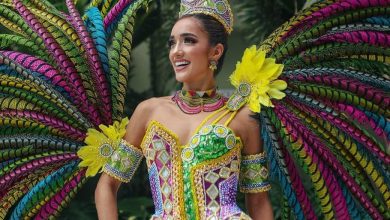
257	190
171	138
115	176
201	168
261	155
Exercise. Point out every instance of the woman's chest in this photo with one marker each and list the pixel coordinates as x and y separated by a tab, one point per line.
204	171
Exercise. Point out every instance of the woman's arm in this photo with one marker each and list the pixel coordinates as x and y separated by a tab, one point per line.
105	197
107	187
258	204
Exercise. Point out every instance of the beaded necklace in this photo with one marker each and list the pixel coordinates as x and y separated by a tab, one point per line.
194	102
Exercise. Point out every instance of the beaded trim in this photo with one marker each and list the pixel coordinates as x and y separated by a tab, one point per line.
123	162
191	102
155	128
200	171
239	97
254	174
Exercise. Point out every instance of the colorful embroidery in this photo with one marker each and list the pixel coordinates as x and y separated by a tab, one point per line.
163	157
123	162
254	174
197	180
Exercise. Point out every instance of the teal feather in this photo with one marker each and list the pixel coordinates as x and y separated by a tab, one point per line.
381	20
94	24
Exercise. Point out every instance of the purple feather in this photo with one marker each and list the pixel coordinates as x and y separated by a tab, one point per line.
362	118
37	65
98	76
56	202
115	12
16	174
298	186
313	147
330	10
356	37
366	91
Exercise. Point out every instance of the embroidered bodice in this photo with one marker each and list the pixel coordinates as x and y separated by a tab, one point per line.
198	180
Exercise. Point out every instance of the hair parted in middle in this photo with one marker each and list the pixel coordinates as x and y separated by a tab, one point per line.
216	34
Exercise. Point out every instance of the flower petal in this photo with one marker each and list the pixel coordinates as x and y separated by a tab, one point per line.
254	105
274	93
264	100
278	84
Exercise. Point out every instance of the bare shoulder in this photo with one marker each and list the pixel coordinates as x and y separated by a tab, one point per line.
147	107
246	117
143	113
248	128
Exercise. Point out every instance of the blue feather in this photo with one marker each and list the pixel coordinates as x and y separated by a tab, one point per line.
381	122
95	26
354	209
112	26
379	20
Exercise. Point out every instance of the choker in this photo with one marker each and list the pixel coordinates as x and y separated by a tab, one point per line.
194	102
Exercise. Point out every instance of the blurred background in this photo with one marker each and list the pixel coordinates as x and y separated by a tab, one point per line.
152	75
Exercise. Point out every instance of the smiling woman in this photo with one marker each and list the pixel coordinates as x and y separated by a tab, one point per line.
191	54
195	146
325	131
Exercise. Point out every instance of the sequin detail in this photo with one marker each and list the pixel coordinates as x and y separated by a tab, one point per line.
197	180
254	174
123	162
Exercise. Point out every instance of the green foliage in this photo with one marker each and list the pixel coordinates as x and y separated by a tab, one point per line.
162	80
257	19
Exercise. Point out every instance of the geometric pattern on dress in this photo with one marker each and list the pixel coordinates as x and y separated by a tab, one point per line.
158	155
219	183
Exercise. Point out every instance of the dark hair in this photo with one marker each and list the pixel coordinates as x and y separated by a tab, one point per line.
216	33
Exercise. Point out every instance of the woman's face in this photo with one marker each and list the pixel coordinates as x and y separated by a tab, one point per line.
190	51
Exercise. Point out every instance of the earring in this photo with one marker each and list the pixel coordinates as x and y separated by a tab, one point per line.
213	65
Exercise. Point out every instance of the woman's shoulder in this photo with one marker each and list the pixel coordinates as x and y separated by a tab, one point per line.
144	112
154	102
245	115
151	105
245	123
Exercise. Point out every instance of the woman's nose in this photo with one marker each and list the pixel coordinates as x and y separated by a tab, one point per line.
177	50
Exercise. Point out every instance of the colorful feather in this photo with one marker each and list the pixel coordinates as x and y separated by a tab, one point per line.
329	135
333	123
52	96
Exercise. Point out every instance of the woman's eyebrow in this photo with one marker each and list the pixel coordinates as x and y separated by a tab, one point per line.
183	35
188	35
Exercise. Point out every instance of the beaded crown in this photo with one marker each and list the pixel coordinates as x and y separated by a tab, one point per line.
219	9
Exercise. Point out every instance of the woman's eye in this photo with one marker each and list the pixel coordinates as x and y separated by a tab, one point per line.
189	40
171	43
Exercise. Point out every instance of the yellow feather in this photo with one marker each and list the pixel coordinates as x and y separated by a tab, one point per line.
261	74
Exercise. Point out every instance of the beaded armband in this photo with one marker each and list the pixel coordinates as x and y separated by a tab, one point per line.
123	162
254	174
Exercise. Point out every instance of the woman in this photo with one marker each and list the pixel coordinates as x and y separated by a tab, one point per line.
197	44
329	135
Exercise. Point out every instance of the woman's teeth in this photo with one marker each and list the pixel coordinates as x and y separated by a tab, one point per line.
181	63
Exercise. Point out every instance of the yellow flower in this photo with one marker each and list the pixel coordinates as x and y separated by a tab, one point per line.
100	146
261	75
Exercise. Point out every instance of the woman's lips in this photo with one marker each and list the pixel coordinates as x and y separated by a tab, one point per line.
181	65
